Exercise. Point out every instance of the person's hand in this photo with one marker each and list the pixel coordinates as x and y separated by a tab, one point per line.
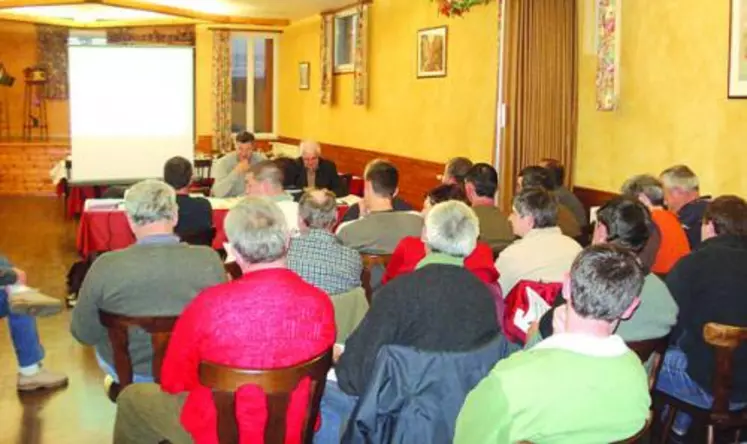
337	350
21	275
242	167
558	319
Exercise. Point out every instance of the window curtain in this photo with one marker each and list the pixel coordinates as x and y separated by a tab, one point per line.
540	84
222	91
360	73
52	56
327	59
162	35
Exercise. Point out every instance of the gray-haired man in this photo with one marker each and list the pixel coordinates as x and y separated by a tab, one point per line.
157	276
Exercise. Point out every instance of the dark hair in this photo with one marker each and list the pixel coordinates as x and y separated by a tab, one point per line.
537	177
384	178
446	192
647	185
244	137
458	168
605	279
177	172
538	203
728	215
484	178
628	222
556	169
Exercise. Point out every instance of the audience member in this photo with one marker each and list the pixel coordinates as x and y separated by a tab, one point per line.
673	244
265	179
456	170
354	212
708	286
25	337
195	213
565	196
157	276
230	170
543	253
313	171
439	307
380	228
317	255
538	177
269	318
682	196
625	222
481	185
411	250
582	384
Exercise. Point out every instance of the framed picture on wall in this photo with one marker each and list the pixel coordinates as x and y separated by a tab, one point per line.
304	69
738	50
432	51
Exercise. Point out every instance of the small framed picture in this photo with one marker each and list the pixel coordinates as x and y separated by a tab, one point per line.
432	44
303	75
738	50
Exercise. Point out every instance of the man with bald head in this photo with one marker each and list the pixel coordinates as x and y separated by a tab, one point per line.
313	171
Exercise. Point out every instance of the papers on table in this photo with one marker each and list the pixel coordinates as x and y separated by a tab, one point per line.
103	204
349	200
224	203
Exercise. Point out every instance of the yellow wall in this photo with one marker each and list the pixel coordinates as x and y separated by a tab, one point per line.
674	106
203	80
430	119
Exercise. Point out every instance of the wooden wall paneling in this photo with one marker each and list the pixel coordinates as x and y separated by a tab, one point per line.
593	198
416	177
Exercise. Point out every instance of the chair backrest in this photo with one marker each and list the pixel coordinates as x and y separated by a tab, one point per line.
203	168
117	326
371	263
726	339
278	384
204	237
653	349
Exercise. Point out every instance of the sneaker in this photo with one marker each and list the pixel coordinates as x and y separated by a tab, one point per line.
29	301
43	379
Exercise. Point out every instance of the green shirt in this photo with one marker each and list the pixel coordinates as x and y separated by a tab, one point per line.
568	389
440	258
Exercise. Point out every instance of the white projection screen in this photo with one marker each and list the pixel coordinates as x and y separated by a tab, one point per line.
131	109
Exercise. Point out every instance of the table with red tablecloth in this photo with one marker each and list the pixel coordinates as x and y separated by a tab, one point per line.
106	230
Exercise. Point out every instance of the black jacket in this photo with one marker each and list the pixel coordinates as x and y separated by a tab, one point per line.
691	218
326	177
415	396
195	215
709	285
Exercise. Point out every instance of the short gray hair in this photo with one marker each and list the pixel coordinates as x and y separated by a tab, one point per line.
151	201
257	230
310	144
318	208
680	176
647	185
269	172
452	227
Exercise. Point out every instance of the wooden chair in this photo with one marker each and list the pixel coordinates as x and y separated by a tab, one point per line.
372	262
725	339
278	385
159	328
653	349
203	180
204	237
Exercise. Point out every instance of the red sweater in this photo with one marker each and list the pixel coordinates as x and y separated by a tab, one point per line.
674	244
266	319
411	250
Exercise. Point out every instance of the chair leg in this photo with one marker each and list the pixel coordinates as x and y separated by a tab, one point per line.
668	424
711	434
737	435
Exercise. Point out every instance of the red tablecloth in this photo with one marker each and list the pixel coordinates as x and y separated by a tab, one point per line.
107	230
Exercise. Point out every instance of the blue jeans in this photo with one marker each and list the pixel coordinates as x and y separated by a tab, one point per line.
23	333
109	370
674	381
335	410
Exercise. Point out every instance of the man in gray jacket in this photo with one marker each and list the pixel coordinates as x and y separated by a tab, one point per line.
158	276
230	170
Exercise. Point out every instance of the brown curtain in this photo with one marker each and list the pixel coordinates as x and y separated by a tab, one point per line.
222	141
162	35
540	85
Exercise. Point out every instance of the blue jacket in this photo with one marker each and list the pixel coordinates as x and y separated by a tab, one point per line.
415	396
691	218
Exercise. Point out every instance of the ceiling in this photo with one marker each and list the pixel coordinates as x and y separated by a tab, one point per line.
75	12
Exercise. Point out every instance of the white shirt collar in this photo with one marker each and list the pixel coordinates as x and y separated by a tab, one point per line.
609	347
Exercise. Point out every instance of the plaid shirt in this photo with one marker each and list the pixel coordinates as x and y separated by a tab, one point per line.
321	260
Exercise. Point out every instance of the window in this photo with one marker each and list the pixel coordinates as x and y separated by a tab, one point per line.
346	30
86	38
253	74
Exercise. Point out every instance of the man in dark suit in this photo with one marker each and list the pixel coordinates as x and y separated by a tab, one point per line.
312	171
195	213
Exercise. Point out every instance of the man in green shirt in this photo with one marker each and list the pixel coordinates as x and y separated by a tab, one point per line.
581	385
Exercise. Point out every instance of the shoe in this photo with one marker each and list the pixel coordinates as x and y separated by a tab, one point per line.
29	301
43	379
71	300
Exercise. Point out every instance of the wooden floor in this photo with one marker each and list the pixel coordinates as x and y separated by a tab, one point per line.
37	238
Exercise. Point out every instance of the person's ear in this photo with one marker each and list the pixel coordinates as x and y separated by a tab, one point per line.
232	253
600	234
396	192
628	313
567	287
645	200
708	230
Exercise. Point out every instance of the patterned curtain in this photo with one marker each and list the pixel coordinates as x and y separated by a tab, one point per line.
327	65
360	73
52	56
222	91
165	35
608	54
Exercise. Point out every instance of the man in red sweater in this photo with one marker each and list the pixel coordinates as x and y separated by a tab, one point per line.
268	318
